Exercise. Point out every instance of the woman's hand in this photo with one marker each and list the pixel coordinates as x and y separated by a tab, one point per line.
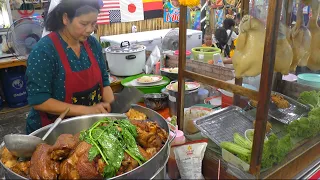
98	108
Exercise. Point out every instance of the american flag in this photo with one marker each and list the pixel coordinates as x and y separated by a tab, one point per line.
109	12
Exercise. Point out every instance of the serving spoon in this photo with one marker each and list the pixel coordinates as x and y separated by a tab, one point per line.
23	146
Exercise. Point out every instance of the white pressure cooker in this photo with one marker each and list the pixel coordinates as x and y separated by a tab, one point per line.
126	60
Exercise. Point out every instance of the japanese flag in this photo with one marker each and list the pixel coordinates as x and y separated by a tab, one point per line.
131	10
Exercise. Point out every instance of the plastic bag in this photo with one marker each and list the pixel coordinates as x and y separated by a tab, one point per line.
152	60
53	4
189	158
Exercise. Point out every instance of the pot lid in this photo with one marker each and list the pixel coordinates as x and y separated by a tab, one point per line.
125	47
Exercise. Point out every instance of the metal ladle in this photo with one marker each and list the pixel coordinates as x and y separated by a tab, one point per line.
23	146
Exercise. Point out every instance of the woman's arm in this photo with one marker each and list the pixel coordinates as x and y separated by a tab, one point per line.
56	107
53	106
227	61
108	96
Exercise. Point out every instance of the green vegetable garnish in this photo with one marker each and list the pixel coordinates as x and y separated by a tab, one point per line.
311	98
111	141
307	127
275	150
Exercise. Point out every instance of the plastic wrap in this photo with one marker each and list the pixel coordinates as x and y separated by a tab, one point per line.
247	58
300	37
284	53
53	4
314	59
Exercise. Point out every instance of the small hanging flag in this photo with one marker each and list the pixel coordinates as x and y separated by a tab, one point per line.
131	10
152	9
109	12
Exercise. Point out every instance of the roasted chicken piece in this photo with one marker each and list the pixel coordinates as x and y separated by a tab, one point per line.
150	135
135	115
78	166
22	168
42	166
63	147
10	161
7	158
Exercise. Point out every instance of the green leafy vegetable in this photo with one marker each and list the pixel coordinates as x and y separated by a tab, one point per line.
110	139
132	148
173	120
306	127
311	98
93	152
269	152
275	150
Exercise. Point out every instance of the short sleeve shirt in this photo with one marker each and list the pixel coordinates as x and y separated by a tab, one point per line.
46	75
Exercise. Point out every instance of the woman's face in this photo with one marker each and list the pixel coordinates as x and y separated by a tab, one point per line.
81	26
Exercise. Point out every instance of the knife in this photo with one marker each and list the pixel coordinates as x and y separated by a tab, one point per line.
123	100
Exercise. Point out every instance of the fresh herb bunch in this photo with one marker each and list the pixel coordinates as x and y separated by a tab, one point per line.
110	139
105	44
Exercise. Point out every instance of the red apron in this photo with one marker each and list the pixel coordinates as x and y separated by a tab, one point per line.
84	87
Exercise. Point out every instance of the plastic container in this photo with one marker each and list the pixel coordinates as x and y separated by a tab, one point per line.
220	63
207	51
309	79
188	54
14	87
173	171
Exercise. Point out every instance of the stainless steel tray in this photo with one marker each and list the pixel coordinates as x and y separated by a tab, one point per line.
286	116
221	125
294	112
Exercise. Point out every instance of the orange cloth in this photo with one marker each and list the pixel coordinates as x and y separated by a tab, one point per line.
163	112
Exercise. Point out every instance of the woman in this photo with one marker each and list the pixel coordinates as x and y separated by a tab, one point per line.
66	67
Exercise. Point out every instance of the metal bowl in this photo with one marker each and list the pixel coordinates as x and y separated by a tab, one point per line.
149	170
171	76
156	101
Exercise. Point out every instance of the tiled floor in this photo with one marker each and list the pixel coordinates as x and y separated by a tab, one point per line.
12	122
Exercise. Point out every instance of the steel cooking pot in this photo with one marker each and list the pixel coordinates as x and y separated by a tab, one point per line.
148	170
126	60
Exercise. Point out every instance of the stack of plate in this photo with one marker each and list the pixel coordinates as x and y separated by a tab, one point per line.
309	79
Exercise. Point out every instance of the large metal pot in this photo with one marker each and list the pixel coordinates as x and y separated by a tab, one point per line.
126	60
153	168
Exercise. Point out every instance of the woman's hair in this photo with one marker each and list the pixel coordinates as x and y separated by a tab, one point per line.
221	36
73	8
228	23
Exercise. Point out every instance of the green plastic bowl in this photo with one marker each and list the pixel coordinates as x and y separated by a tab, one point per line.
146	89
207	51
309	79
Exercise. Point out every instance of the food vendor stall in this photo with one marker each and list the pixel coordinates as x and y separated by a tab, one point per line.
254	139
303	153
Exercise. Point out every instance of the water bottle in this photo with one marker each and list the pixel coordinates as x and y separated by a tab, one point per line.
220	63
